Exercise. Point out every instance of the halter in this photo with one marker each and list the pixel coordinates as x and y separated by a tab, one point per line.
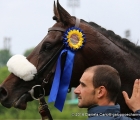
43	109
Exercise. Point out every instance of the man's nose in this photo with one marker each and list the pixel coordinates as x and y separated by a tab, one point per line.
77	90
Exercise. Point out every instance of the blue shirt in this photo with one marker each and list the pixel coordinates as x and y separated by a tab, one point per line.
110	113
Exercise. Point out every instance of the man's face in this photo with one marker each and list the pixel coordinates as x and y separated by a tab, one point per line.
85	91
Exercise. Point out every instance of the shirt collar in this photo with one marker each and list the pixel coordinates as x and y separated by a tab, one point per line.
104	109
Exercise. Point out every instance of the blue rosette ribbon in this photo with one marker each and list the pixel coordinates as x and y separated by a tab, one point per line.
73	39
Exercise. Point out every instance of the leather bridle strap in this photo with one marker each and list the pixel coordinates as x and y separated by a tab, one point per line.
56	29
52	58
77	22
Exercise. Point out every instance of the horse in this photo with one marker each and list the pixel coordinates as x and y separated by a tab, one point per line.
101	46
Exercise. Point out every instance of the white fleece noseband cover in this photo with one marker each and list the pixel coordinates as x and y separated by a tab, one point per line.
21	67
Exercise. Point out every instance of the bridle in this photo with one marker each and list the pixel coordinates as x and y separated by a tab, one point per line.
40	88
46	80
43	108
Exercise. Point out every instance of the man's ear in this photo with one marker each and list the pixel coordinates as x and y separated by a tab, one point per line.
101	92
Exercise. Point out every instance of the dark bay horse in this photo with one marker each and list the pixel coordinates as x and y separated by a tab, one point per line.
101	47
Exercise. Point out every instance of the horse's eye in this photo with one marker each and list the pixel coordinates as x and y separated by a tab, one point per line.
46	46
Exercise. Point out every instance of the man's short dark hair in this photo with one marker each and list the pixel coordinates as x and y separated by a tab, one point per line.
107	76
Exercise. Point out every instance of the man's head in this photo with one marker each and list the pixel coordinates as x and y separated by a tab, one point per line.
100	85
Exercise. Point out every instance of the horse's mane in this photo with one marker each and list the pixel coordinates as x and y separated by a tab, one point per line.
121	42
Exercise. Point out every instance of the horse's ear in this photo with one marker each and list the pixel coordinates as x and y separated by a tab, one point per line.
63	15
56	17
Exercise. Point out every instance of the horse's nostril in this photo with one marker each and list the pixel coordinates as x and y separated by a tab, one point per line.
3	94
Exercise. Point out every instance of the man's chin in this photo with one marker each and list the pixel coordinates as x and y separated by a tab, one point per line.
80	105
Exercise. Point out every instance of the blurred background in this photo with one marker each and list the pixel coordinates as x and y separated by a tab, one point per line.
23	24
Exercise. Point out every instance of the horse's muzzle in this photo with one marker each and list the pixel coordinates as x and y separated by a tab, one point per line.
21	103
3	94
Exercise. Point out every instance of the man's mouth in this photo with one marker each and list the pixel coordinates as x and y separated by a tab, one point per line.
79	97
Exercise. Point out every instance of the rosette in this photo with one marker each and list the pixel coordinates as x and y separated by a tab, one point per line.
74	38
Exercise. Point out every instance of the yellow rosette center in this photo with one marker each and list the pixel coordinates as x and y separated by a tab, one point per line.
75	39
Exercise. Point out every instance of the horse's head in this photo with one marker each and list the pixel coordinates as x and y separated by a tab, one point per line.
14	90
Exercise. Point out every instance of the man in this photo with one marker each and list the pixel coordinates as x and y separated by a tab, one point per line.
98	90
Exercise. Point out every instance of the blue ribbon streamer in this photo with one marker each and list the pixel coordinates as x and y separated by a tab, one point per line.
62	80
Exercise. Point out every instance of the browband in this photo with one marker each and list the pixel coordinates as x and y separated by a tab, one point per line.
77	22
56	29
